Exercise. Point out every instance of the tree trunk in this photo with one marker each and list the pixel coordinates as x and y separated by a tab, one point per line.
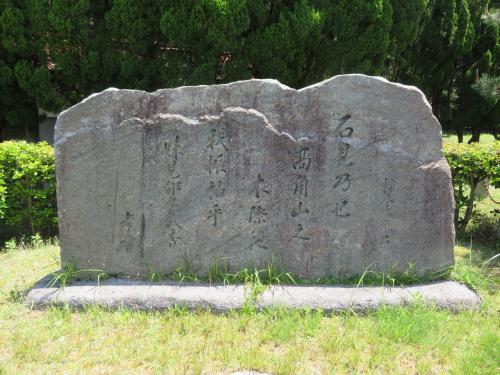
396	74
457	217
27	133
459	129
457	208
460	134
470	204
447	105
29	205
476	134
30	219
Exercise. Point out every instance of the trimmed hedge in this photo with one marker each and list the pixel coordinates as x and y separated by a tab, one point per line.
28	184
27	190
470	164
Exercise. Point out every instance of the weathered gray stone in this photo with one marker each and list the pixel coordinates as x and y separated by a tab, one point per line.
142	295
328	180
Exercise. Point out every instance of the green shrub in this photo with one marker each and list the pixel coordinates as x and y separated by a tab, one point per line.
470	164
27	190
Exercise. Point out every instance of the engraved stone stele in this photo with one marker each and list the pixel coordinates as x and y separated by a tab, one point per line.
329	180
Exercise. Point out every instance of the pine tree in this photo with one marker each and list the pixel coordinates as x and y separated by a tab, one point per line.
407	21
53	53
472	110
18	111
297	42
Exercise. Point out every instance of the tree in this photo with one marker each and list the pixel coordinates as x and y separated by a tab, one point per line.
472	110
489	89
18	111
53	53
356	37
135	57
67	36
297	42
445	36
406	23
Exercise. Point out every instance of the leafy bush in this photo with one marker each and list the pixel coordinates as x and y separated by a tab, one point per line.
470	164
27	190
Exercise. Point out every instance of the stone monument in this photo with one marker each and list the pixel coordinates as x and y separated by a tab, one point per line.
329	180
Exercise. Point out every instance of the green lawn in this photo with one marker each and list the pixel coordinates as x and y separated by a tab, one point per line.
392	340
451	137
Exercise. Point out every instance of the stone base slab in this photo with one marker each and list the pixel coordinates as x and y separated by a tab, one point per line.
142	295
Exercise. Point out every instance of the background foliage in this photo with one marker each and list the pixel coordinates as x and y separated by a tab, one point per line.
53	53
27	190
471	164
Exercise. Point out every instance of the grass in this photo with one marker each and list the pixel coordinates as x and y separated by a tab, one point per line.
218	273
451	137
407	340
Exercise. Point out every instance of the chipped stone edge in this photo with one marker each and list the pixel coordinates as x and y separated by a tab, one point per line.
228	110
154	296
61	136
275	82
258	80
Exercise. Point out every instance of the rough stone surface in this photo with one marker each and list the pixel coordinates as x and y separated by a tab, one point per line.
141	295
328	180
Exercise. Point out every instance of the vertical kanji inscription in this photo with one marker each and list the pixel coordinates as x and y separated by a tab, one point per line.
215	149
